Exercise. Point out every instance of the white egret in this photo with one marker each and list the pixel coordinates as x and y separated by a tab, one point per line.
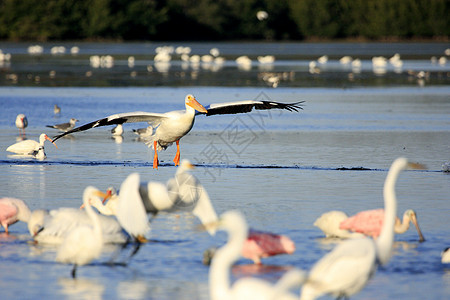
85	242
246	288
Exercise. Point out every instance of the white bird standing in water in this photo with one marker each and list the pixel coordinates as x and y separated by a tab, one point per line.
21	123
29	147
170	127
52	227
347	269
246	288
117	131
84	243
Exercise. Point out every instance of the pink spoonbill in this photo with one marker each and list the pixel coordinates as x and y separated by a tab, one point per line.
13	210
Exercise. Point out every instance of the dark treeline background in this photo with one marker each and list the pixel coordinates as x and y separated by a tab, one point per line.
44	20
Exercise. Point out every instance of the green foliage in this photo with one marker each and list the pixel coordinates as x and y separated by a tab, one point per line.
222	19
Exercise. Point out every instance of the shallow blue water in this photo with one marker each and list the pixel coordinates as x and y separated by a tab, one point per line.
283	172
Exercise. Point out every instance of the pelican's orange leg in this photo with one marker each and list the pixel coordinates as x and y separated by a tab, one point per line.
176	160
155	158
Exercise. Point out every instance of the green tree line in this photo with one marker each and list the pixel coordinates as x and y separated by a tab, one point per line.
222	19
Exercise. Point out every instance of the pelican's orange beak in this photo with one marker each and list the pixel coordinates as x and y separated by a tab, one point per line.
107	196
49	139
196	105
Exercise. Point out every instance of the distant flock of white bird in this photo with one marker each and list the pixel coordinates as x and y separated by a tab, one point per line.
213	61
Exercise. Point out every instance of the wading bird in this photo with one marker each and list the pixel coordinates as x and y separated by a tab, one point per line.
368	222
85	242
21	123
29	147
13	210
445	256
347	268
259	244
184	192
170	127
245	288
52	227
117	131
65	126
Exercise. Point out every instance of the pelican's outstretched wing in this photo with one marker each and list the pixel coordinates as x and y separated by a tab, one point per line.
129	117
247	106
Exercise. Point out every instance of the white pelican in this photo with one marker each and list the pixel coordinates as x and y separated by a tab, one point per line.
246	288
268	59
368	222
13	210
323	59
84	243
51	227
65	126
29	147
170	127
21	123
346	270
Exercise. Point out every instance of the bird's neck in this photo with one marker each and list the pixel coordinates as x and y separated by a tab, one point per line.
24	212
386	239
204	209
219	274
95	221
403	226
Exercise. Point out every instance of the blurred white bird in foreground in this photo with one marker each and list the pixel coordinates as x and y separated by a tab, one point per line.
346	270
245	288
85	242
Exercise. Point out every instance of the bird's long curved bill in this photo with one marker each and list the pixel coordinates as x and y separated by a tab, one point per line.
49	139
421	237
197	106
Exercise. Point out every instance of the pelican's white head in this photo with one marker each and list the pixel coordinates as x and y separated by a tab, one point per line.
190	101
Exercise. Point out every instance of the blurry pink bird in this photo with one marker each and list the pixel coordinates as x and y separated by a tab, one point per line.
13	210
258	245
369	222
